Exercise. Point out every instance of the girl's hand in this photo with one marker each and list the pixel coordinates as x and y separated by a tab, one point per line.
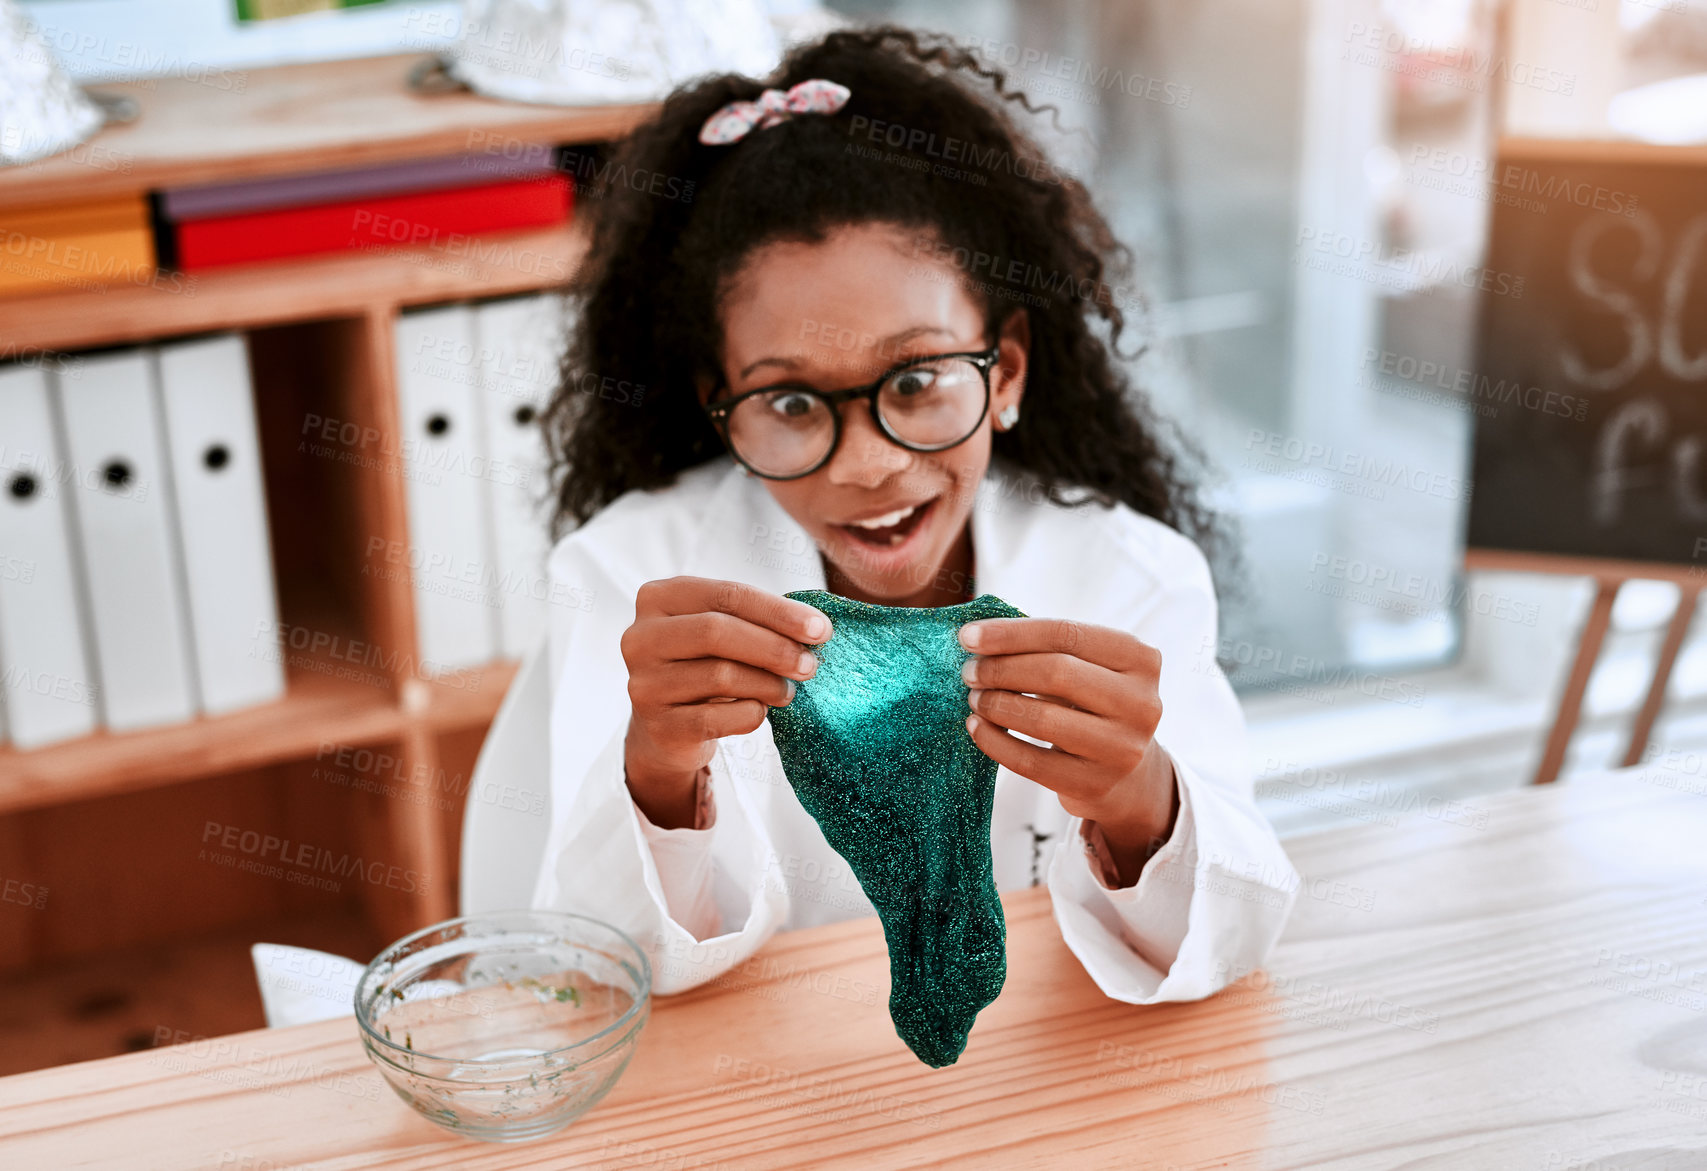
705	659
1096	703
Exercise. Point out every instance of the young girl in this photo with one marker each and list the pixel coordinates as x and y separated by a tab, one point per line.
862	338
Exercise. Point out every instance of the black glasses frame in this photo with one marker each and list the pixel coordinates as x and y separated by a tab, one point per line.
719	410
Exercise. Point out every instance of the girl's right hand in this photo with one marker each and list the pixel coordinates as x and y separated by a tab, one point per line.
705	659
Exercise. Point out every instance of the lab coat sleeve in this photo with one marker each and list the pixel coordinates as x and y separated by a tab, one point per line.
1210	903
686	867
721	904
699	902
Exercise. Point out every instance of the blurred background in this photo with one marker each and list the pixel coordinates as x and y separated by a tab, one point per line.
1335	207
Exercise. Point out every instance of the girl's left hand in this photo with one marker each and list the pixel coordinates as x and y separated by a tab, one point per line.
1096	702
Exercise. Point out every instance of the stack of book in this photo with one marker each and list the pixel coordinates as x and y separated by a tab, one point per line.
60	247
426	203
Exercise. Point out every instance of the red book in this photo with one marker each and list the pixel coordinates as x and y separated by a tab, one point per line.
421	219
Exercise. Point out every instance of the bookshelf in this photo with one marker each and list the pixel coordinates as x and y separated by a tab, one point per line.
279	292
291	118
107	823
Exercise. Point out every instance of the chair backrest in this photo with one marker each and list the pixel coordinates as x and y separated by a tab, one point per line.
508	816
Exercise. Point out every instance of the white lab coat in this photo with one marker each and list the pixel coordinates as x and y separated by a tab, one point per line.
1206	908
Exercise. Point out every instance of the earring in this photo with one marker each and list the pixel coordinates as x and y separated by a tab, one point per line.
744	469
1008	416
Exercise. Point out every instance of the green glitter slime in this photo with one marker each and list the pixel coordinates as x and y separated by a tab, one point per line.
876	748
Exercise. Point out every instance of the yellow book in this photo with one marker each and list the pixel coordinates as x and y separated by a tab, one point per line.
81	246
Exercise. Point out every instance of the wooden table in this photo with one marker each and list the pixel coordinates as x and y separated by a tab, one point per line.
1520	982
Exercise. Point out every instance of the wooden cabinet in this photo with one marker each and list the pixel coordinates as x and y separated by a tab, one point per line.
366	755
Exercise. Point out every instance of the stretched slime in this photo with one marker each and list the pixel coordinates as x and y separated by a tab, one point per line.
876	748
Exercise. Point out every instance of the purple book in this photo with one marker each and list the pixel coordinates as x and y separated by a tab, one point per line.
465	170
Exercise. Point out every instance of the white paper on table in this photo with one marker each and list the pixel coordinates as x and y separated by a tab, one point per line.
300	985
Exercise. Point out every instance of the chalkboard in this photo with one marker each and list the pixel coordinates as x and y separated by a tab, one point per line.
1590	387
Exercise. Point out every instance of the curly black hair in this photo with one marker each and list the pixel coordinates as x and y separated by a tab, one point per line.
924	142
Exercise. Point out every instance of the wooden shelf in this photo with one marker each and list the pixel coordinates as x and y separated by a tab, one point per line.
322	336
292	118
465	699
341	284
315	710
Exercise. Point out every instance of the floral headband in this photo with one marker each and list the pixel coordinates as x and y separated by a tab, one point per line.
734	121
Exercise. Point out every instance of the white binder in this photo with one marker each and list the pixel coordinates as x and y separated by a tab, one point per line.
520	341
222	518
126	532
44	664
445	475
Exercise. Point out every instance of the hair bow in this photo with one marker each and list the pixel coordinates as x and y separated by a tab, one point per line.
733	122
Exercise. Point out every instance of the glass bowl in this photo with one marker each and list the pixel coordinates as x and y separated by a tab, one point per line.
505	1026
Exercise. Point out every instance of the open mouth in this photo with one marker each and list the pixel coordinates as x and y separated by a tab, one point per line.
889	531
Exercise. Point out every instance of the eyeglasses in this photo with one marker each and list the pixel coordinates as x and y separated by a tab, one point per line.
787	431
